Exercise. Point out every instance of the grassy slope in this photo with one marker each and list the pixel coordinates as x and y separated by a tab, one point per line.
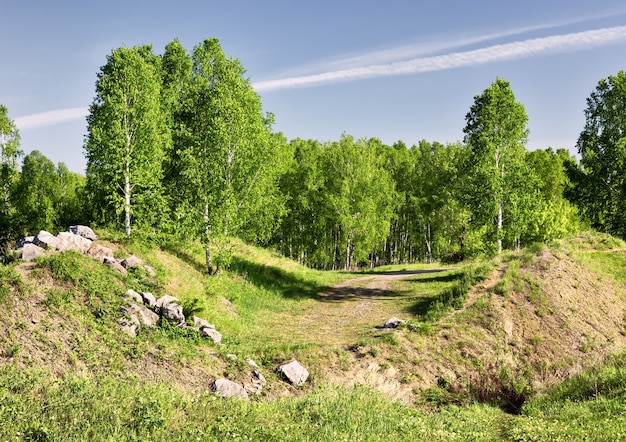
66	372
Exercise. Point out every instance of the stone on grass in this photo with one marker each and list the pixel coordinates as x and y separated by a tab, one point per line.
140	314
199	322
132	262
148	299
133	295
173	313
115	265
252	364
26	240
71	241
164	300
99	253
83	231
45	240
129	325
393	323
255	383
226	388
211	333
31	251
295	373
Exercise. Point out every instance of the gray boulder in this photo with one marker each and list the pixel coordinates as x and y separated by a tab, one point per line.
148	299
31	251
393	323
83	231
132	262
114	264
255	382
295	373
99	253
45	240
164	300
129	325
226	388
140	315
199	322
71	241
26	240
252	364
134	296
211	333
173	313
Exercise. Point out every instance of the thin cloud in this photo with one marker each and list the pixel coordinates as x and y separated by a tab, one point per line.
51	118
508	51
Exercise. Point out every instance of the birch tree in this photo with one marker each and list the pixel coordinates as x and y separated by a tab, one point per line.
126	139
602	146
229	160
9	156
496	133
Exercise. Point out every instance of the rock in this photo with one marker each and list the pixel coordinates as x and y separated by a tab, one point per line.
99	253
129	325
31	251
414	327
140	315
71	241
211	333
134	296
45	240
393	323
83	231
173	313
115	265
252	364
198	322
164	300
148	299
132	262
256	383
295	373
26	240
231	357
226	388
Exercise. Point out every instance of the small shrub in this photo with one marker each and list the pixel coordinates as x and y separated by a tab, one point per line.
192	307
501	287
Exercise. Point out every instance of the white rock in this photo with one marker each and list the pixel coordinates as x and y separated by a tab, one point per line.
295	373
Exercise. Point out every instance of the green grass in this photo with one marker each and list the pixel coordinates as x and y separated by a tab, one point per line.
448	290
100	396
124	409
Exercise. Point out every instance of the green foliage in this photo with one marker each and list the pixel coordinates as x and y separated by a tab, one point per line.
501	189
599	184
126	140
9	154
10	283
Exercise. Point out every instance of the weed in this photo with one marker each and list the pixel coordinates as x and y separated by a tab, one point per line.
501	287
389	338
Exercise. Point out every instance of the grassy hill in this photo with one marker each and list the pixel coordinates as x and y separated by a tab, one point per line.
525	347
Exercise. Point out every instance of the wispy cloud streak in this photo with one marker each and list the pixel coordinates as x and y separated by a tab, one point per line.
51	118
508	51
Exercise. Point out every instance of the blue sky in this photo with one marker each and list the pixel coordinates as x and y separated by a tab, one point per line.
396	70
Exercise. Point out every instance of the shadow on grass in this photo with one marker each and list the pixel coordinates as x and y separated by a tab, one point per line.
186	256
373	285
275	278
440	278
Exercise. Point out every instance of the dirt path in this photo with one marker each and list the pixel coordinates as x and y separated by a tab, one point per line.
353	308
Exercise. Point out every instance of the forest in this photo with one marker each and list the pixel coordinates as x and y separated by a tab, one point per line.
179	144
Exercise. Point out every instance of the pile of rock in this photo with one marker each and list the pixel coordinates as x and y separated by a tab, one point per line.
144	309
254	381
81	239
